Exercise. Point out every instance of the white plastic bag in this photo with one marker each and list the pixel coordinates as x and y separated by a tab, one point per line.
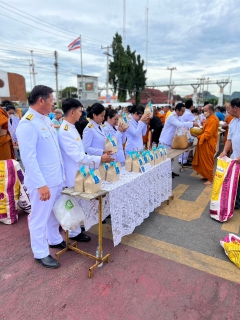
68	212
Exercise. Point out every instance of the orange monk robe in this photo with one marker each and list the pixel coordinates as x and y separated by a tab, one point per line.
168	114
6	145
203	161
19	113
145	138
228	119
161	117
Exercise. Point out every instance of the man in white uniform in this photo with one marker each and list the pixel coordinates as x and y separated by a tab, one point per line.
73	152
170	126
187	116
44	174
233	140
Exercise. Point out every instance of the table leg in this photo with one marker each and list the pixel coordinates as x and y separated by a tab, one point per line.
100	258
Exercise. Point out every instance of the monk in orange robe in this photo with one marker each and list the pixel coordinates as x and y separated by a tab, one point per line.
203	161
6	145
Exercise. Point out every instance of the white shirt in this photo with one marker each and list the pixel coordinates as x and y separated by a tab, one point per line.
40	151
73	152
187	116
135	133
170	126
120	137
233	136
94	139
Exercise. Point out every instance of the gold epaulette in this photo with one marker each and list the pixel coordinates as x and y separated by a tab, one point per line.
66	127
103	125
29	117
90	125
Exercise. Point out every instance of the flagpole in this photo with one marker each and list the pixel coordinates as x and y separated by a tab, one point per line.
81	66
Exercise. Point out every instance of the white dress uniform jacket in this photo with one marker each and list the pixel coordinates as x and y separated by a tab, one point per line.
120	137
135	133
40	151
94	139
41	156
73	152
170	126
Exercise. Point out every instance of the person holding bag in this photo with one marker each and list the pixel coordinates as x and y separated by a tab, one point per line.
73	152
137	127
109	127
94	138
172	123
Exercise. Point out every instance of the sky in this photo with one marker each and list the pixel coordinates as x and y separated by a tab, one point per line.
200	38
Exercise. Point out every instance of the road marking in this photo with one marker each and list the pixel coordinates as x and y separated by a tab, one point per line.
233	224
186	210
196	260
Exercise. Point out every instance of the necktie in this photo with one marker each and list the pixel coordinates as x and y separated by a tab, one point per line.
10	121
100	128
114	128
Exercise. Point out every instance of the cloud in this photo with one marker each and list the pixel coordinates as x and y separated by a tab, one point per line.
199	38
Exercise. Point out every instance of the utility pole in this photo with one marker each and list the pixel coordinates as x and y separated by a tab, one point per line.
124	23
170	82
107	75
30	73
56	76
33	70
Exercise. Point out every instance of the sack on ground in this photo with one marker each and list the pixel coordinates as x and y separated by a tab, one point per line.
231	246
68	212
113	173
24	200
93	183
9	191
224	190
111	143
80	177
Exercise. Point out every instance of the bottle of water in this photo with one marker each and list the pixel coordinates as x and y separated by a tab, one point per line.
154	145
100	265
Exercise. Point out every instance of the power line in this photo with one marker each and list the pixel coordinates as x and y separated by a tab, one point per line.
65	31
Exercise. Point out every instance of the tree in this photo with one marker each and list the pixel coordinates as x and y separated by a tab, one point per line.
126	71
69	92
139	78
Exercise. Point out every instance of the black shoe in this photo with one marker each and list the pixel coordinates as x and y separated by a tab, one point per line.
175	174
187	164
109	216
48	262
236	208
104	221
61	245
82	228
81	237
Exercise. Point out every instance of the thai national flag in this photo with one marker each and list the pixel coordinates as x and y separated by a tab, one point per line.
76	44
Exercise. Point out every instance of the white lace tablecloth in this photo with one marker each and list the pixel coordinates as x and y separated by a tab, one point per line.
131	199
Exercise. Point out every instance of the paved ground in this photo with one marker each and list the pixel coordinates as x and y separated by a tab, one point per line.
171	267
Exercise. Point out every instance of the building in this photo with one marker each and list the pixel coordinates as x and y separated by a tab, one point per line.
89	89
12	87
157	97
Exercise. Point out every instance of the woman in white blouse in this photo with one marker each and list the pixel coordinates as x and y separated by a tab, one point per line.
94	138
109	127
137	128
